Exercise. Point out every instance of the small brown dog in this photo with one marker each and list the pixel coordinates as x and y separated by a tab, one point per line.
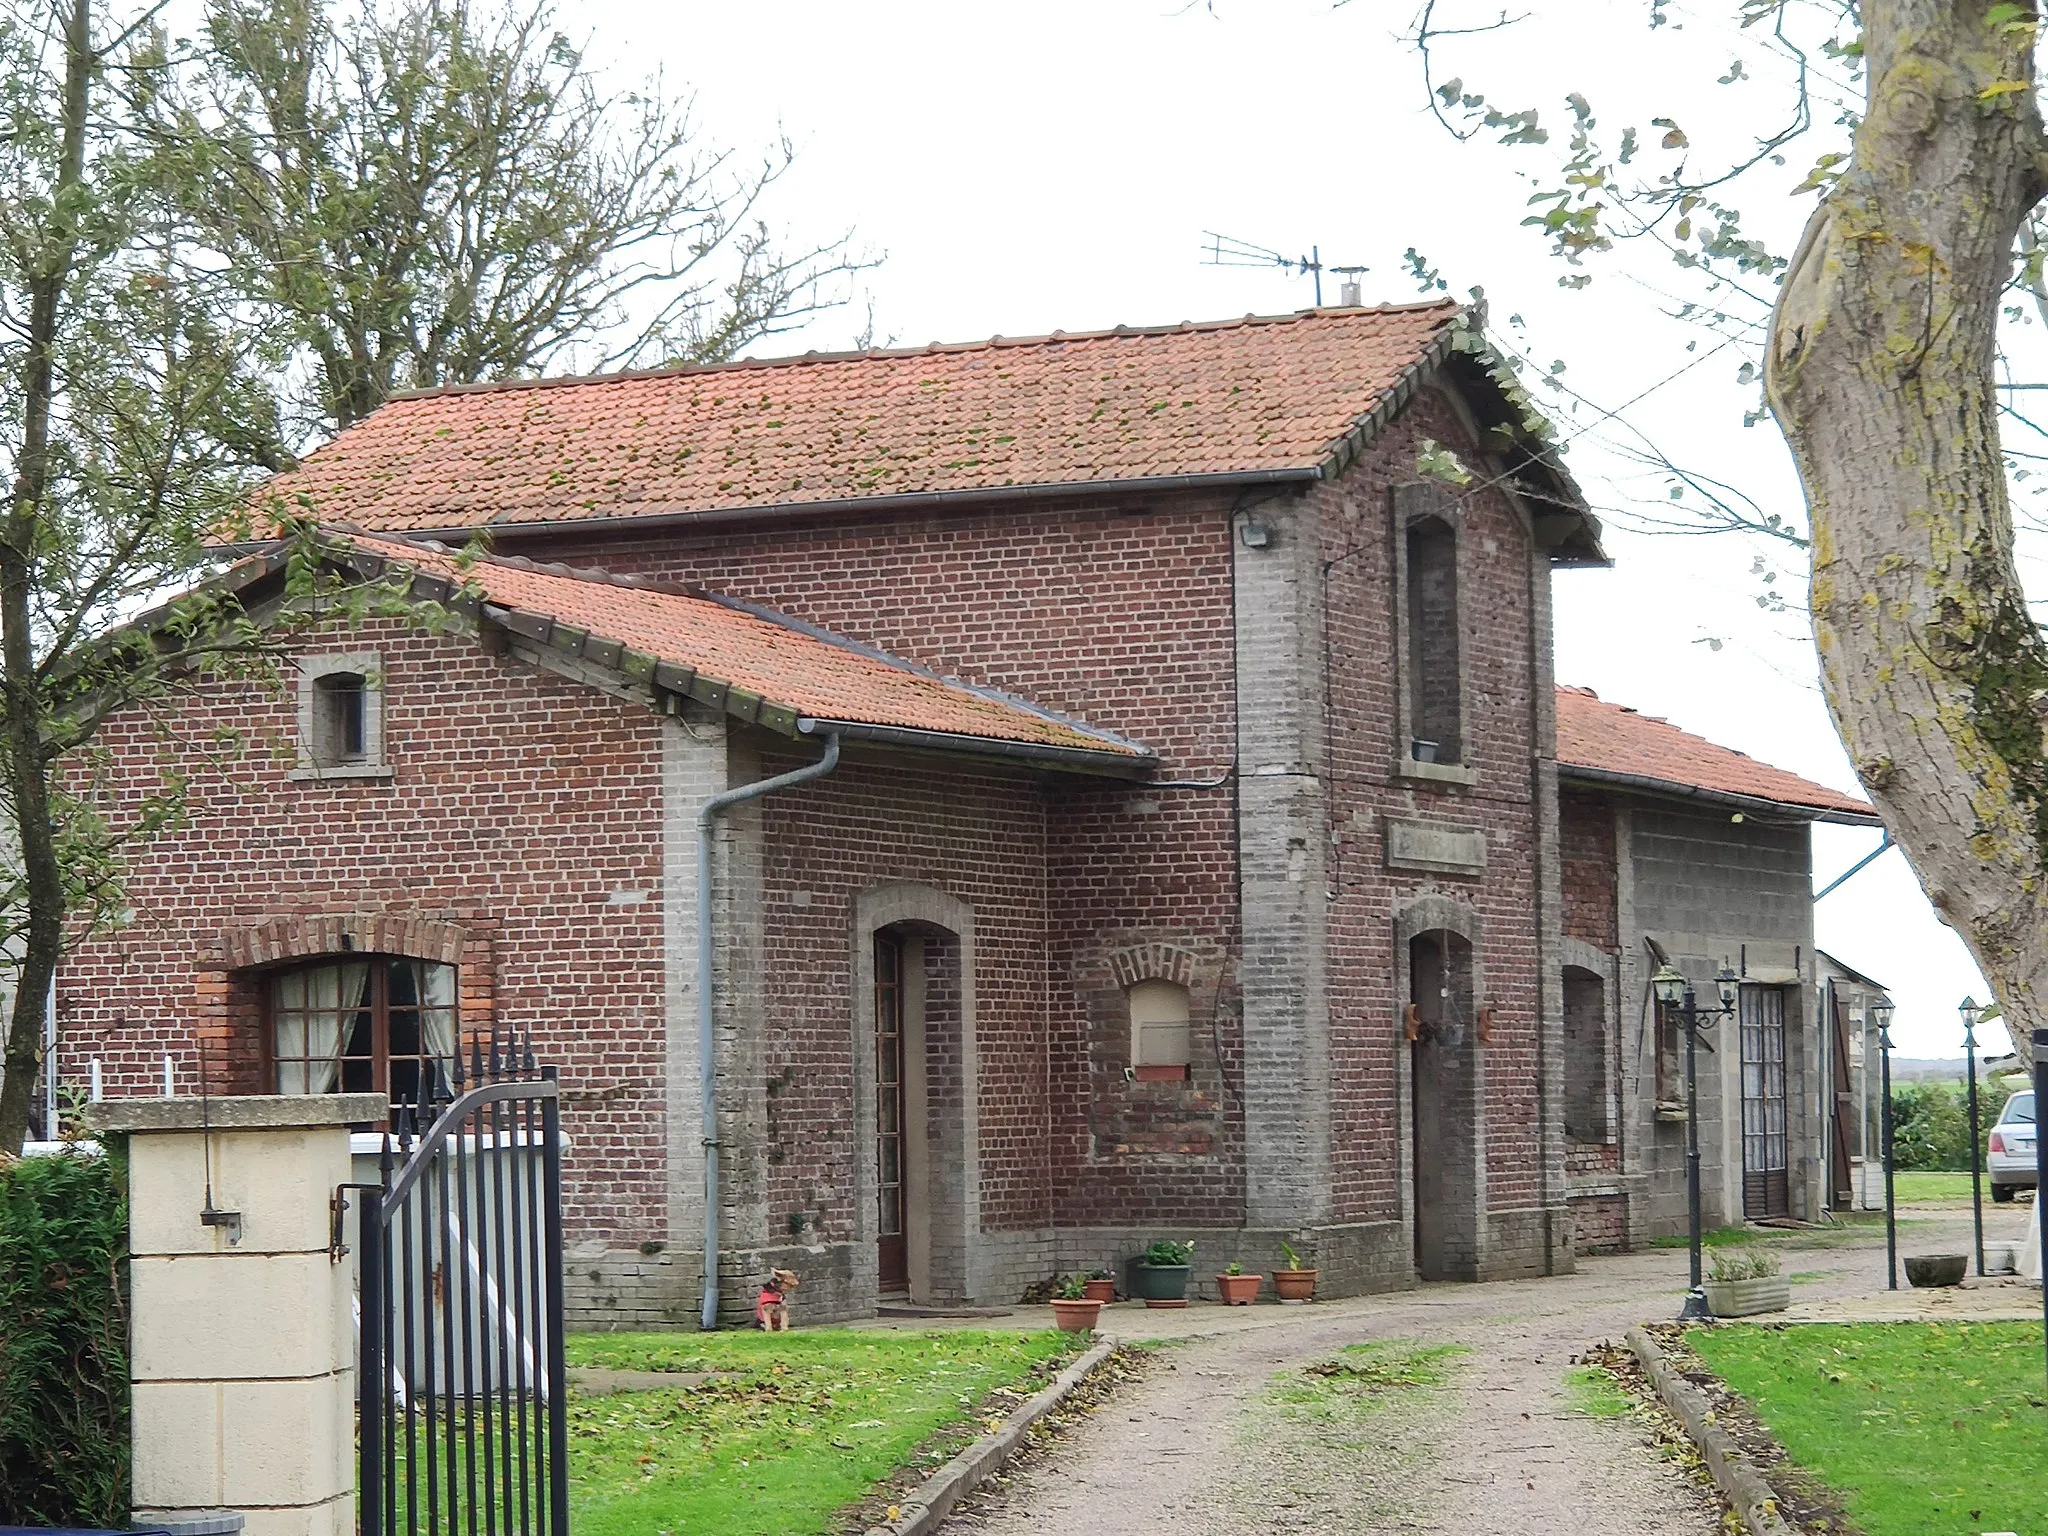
772	1310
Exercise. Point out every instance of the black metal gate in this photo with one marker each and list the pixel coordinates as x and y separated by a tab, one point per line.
462	1426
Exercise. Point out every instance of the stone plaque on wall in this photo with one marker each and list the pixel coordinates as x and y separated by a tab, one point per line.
1435	846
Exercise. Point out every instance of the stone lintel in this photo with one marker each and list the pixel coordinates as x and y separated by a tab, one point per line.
240	1112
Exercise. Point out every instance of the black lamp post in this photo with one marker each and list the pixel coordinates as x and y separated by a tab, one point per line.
2040	1076
1675	993
1972	1015
1880	1014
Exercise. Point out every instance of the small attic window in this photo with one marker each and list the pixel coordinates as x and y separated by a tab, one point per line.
341	717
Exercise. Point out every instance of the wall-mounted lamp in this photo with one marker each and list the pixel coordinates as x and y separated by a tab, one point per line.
1254	535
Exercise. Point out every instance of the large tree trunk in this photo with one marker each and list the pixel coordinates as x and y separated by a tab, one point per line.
1881	374
24	754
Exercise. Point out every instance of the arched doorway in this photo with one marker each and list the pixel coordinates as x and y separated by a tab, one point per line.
1446	1107
918	1168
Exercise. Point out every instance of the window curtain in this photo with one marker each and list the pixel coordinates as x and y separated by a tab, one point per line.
313	1008
438	1012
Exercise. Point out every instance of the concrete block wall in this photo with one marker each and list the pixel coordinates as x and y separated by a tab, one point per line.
1713	890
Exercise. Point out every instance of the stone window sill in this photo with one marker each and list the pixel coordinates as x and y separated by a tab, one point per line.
342	773
1436	773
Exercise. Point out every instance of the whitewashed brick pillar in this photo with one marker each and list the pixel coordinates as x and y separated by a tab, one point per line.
241	1352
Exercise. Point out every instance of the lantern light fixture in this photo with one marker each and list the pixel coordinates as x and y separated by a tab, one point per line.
1880	1014
1669	985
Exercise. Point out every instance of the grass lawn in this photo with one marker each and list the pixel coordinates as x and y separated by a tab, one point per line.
794	1427
1924	1429
1935	1188
1361	1379
1593	1392
1848	1229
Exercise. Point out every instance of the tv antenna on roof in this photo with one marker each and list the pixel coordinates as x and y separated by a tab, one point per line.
1229	251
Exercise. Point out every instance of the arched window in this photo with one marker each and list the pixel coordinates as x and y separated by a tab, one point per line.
363	1024
1159	1030
1435	695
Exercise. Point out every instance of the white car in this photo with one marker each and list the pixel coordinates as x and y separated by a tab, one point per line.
2011	1147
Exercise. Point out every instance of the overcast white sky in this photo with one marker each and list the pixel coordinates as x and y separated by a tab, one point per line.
1054	165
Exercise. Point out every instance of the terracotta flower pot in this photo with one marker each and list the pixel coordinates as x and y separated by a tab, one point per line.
1239	1290
1100	1290
1076	1316
1295	1284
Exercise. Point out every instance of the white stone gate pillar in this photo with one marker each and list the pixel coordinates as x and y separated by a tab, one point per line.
241	1351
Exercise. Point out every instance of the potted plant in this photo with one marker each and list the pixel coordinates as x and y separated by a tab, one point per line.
1291	1281
1071	1307
1237	1288
1100	1285
1161	1277
1745	1280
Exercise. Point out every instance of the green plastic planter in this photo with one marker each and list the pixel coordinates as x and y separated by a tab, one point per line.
1160	1282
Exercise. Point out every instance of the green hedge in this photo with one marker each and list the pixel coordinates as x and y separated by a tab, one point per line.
1931	1122
64	1342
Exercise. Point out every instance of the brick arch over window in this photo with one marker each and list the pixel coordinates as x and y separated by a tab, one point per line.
303	937
230	981
1153	962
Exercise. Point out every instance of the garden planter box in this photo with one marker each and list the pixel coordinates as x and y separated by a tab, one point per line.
1239	1290
1294	1284
1933	1269
1746	1298
1160	1282
1076	1316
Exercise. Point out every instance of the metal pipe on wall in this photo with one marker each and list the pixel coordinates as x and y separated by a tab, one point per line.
50	1061
707	1033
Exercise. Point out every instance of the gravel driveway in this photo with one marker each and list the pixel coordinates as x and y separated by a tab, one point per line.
1207	1441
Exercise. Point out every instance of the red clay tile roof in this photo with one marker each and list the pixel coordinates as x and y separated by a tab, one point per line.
1612	739
736	654
1257	395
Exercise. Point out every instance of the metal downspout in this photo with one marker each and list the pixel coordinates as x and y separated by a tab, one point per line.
707	817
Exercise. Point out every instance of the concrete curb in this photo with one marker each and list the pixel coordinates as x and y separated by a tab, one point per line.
1732	1471
933	1499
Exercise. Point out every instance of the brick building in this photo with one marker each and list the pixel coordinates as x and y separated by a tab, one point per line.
1187	863
1675	848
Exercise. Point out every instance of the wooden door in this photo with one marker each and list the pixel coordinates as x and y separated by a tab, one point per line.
893	1250
1766	1188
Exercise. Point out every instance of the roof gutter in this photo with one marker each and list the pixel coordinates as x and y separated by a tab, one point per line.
707	1001
1223	480
1115	764
1575	773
